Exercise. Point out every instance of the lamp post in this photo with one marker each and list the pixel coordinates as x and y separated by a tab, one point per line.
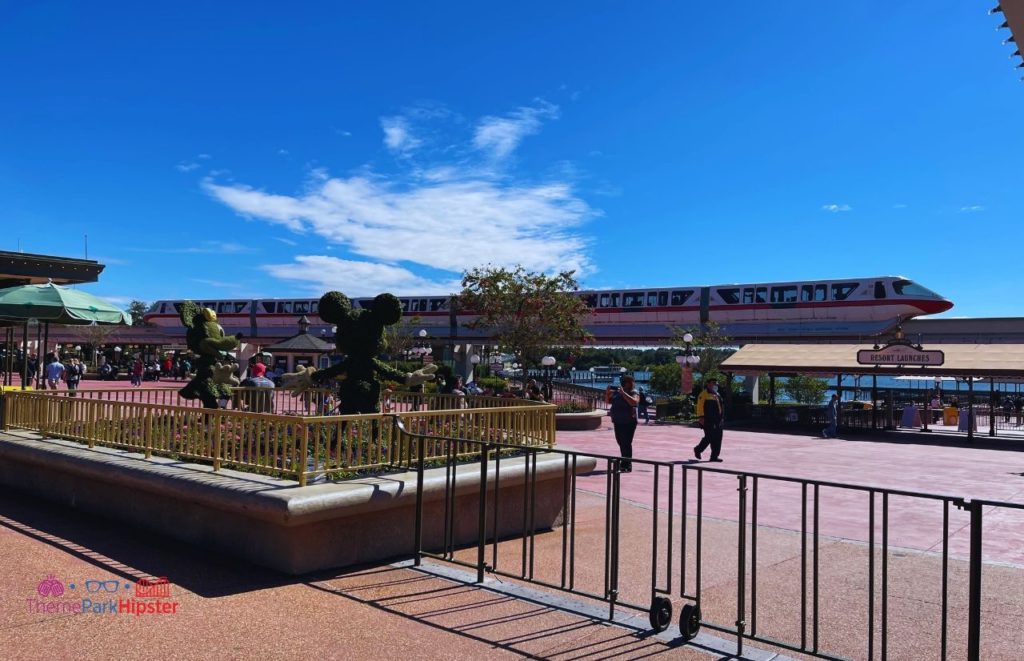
687	359
474	360
548	363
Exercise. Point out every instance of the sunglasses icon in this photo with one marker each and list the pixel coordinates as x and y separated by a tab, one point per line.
106	586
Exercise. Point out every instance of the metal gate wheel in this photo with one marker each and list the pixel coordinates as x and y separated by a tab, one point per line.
660	613
689	621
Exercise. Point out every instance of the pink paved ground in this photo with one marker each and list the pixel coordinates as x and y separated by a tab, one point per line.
227	609
894	462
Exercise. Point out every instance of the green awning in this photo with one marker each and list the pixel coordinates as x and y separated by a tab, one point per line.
59	305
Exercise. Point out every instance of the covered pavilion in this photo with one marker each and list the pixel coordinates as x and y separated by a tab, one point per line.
967	362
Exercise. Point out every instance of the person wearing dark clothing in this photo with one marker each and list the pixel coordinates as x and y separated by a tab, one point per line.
73	375
623	413
641	407
33	368
710	416
831	418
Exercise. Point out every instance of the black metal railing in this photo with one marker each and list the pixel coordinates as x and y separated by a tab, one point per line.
491	463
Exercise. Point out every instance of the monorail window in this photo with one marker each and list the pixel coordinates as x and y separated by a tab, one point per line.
300	307
784	294
816	293
632	300
655	298
729	295
224	307
761	295
269	307
240	306
879	289
908	288
609	300
314	307
438	304
680	297
748	296
177	307
405	305
284	307
842	290
590	300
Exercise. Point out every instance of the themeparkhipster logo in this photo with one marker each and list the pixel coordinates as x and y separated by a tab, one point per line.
103	597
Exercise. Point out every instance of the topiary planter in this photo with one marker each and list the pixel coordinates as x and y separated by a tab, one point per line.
579	421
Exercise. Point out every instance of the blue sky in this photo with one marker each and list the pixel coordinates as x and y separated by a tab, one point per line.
265	149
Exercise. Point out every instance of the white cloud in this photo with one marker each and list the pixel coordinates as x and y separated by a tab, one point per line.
206	247
398	136
899	206
186	167
203	156
448	225
220	284
455	207
282	152
319	273
972	208
836	208
500	136
287	242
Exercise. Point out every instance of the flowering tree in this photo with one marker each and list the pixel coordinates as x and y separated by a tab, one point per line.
526	313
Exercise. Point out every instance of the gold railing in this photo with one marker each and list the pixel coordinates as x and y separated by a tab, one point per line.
292	446
313	402
258	400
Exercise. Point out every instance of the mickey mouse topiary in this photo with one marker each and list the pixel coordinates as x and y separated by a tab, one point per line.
205	337
360	337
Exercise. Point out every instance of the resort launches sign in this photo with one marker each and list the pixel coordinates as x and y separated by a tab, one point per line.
900	354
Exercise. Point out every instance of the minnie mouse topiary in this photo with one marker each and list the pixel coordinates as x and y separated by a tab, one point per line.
205	337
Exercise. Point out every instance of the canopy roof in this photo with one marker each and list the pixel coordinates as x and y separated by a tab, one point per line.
960	360
301	343
1013	11
59	305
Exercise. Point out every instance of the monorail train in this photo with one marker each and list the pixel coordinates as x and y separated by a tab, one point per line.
845	308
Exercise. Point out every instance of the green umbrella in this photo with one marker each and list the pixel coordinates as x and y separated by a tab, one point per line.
59	305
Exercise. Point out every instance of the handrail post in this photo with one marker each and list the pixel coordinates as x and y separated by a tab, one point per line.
147	440
418	533
300	472
213	420
974	590
485	451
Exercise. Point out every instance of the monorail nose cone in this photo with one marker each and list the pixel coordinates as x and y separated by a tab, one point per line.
935	307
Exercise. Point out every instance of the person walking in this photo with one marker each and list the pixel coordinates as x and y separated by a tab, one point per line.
138	369
73	375
623	413
641	407
54	373
710	416
831	418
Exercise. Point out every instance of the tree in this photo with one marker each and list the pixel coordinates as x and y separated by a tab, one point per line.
94	335
137	309
710	345
526	313
401	337
805	389
666	379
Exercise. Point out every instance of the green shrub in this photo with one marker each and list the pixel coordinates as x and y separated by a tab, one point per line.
496	382
573	407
